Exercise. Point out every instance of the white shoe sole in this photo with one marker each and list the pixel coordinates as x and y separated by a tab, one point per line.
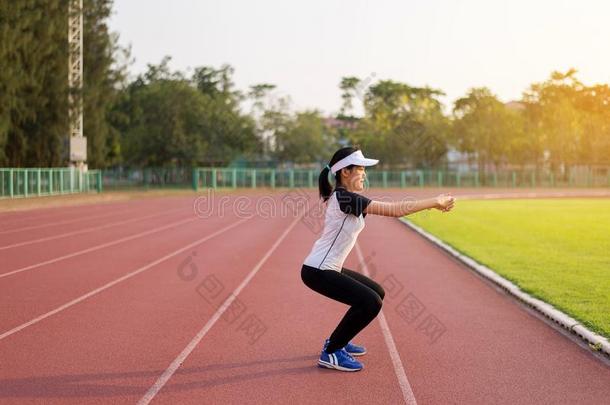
358	354
336	367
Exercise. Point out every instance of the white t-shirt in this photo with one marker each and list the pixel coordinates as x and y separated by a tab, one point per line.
343	222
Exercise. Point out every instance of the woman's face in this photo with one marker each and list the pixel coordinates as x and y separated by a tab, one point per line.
353	179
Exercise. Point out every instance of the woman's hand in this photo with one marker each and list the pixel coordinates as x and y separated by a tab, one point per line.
409	206
444	202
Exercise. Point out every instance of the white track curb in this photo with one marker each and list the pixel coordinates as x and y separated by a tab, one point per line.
595	341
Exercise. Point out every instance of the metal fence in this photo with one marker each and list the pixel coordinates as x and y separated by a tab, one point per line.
253	178
39	182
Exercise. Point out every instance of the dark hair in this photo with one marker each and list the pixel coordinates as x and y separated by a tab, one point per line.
325	187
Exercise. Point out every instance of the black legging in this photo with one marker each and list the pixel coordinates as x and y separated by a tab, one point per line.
362	294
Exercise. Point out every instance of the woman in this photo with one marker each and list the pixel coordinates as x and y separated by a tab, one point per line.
323	269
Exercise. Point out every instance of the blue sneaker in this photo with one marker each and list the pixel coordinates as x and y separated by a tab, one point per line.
339	360
351	348
355	350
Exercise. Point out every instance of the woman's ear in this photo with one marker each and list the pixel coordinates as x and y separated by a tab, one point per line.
345	172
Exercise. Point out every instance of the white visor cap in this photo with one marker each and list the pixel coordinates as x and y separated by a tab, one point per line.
356	158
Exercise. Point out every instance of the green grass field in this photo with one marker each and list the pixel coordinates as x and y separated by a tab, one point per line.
557	250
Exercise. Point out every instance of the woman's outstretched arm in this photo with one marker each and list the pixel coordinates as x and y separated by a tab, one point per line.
442	202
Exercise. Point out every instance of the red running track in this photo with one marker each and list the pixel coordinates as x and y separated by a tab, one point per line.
104	326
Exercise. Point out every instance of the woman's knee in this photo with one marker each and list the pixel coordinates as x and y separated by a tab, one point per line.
373	303
380	291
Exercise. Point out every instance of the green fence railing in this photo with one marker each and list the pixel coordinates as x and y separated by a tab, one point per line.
304	178
40	181
29	182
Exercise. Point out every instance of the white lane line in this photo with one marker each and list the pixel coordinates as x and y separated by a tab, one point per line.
81	231
92	211
69	221
97	247
118	280
162	380
405	387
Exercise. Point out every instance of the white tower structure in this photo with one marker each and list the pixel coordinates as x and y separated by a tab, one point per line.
78	143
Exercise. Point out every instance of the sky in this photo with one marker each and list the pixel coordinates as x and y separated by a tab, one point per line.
305	47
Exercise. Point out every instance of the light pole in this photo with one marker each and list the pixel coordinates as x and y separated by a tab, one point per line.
78	143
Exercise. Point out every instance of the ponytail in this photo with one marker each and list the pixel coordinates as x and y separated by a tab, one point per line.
326	189
324	185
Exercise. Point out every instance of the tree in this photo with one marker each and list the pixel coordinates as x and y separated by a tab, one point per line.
228	131
486	128
167	130
261	104
34	120
101	77
349	88
404	125
304	139
555	114
168	119
594	104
